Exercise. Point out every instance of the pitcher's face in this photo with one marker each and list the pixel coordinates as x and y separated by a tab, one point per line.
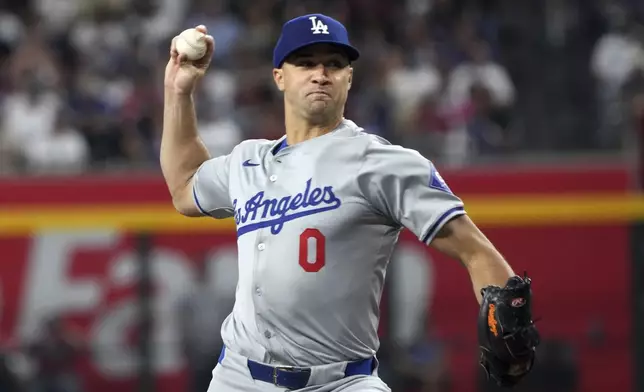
315	80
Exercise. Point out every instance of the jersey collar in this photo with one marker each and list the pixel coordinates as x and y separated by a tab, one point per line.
280	146
281	143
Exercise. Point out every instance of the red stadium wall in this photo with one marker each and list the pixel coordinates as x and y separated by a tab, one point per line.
68	246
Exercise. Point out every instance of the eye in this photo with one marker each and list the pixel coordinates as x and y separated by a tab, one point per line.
305	63
335	64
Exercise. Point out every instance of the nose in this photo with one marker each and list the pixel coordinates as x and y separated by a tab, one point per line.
320	75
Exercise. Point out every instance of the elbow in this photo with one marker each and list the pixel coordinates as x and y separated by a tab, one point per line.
184	203
186	207
180	207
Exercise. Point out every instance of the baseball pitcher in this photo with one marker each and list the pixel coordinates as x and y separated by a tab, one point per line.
318	213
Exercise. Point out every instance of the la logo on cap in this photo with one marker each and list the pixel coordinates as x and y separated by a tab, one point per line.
318	27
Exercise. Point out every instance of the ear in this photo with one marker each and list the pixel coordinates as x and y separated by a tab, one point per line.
278	78
350	76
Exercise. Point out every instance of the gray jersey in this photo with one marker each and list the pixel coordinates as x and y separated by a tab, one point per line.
316	225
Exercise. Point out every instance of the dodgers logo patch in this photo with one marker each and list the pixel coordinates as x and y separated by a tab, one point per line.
437	182
260	212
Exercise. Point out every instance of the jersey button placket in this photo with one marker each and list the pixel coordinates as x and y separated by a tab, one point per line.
273	167
263	240
258	292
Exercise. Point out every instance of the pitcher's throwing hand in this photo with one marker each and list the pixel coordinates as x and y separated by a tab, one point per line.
181	74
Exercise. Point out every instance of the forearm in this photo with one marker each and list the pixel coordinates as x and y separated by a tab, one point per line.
487	267
462	240
182	151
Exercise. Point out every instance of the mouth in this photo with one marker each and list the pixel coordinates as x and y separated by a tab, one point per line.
319	92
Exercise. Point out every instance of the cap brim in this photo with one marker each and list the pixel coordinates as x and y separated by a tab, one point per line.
352	53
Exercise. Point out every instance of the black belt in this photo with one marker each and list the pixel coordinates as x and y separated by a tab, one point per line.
292	377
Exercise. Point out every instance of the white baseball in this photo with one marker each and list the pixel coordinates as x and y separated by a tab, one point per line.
192	44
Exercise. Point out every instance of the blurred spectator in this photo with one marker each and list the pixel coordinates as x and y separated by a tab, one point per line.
29	114
102	39
55	353
430	129
201	313
488	124
480	69
616	57
63	151
220	88
34	57
56	16
141	113
407	85
260	28
224	26
220	133
478	90
11	32
161	19
98	119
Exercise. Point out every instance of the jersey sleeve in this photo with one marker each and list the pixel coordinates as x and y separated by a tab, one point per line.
210	188
406	187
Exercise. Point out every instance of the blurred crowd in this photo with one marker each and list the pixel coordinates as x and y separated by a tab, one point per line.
459	80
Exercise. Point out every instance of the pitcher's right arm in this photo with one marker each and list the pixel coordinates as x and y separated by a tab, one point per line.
182	151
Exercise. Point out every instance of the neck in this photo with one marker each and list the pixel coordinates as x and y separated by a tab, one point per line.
299	129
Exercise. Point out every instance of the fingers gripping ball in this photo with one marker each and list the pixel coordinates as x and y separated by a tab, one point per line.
506	331
192	44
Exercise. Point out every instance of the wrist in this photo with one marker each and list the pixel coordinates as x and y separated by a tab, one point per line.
173	93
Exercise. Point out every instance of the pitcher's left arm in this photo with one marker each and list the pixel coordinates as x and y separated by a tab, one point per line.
462	240
506	332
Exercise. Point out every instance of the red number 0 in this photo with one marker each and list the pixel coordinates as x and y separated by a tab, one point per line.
318	262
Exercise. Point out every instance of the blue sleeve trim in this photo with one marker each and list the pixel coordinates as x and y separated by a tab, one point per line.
451	213
194	196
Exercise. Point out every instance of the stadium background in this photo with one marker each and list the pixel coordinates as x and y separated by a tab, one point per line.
532	110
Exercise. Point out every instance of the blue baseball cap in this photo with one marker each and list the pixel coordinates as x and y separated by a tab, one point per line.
308	30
